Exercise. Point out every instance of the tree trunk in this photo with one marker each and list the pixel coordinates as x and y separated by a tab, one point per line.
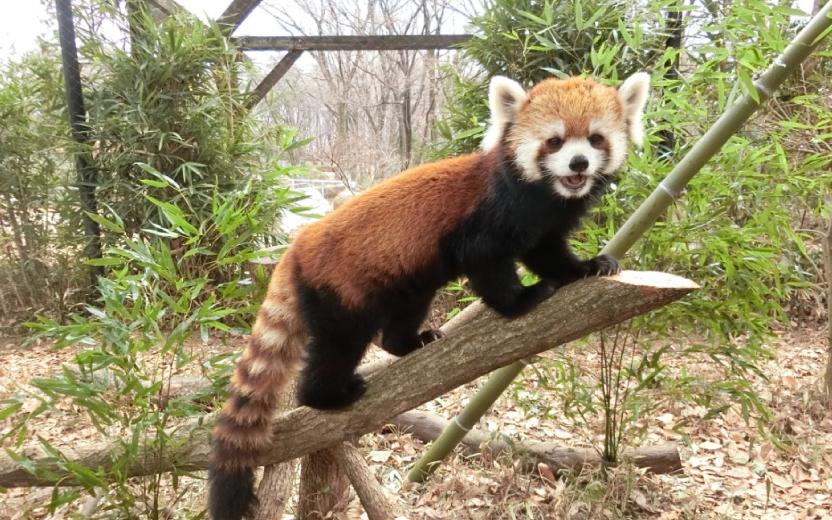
324	487
827	272
675	35
275	488
406	137
483	343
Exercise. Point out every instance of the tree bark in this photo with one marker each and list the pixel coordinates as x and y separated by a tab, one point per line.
482	344
827	272
276	486
377	504
428	426
324	487
275	489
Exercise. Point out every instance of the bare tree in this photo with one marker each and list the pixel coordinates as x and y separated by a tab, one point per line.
368	109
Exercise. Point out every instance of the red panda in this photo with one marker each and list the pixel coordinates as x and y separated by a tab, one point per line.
374	264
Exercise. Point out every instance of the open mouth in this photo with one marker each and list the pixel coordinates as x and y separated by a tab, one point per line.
573	182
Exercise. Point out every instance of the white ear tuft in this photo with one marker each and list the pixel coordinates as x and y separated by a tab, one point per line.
633	95
505	97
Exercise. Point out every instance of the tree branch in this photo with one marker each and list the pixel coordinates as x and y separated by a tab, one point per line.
482	344
377	503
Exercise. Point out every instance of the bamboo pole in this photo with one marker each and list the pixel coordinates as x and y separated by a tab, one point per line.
668	190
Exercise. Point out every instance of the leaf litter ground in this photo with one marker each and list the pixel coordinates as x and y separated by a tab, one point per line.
731	469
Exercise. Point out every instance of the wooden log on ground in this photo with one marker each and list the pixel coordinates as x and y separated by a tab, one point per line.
377	503
482	345
428	426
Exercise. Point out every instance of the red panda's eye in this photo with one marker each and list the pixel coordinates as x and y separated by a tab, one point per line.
554	142
596	139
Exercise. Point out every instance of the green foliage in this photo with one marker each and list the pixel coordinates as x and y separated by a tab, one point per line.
530	40
191	190
170	138
33	185
168	100
140	337
738	230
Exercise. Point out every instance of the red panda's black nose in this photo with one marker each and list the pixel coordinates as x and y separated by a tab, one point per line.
578	164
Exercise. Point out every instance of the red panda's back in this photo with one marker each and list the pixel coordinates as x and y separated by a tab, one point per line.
392	229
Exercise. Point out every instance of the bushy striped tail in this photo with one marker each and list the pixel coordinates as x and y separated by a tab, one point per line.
243	431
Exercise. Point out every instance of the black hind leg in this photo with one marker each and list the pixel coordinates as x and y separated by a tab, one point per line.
338	340
400	331
328	380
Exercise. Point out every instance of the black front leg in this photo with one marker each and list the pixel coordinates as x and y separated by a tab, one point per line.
401	320
496	282
553	259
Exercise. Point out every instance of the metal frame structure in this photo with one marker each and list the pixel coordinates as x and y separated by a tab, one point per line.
238	10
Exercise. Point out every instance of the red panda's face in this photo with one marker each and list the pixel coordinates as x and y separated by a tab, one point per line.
570	133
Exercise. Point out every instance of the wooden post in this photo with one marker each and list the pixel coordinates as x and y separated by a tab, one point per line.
87	177
377	504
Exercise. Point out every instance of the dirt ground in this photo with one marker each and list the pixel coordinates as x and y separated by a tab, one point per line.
730	468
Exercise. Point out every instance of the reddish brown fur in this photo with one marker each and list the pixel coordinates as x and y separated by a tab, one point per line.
245	431
385	239
575	101
406	213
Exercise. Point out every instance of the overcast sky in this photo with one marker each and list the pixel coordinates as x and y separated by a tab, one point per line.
24	20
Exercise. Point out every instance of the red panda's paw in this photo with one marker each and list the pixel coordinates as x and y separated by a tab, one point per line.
431	335
332	395
604	265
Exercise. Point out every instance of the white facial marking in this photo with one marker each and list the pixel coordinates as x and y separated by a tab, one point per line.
618	152
615	134
557	165
529	148
598	126
526	158
556	129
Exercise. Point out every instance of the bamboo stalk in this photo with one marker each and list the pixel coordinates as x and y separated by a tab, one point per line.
657	203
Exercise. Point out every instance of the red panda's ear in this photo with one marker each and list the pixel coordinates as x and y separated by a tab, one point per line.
505	97
633	95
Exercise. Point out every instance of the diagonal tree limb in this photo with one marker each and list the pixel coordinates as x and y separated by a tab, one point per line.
483	344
